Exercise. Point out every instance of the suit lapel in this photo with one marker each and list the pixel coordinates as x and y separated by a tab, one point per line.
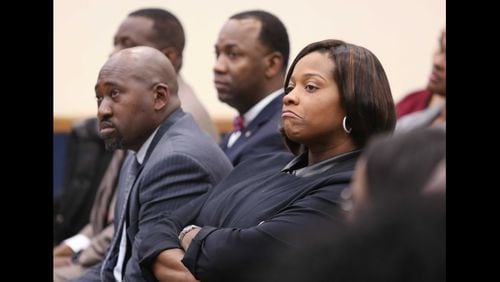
262	118
125	192
169	121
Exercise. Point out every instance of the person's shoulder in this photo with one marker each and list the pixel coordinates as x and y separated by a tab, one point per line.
189	139
277	157
267	160
415	101
185	127
185	139
258	166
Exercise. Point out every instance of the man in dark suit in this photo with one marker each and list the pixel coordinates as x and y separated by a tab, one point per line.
152	27
170	161
252	52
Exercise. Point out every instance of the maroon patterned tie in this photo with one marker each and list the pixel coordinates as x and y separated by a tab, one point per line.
238	123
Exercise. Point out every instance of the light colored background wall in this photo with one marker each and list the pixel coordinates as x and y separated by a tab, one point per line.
403	34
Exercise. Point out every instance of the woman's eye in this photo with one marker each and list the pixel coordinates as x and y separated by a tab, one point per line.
310	88
288	89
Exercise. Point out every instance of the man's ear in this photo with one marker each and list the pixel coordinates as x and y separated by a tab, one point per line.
274	63
161	96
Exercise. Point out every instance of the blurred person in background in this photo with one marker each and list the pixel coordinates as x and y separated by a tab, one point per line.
427	108
252	52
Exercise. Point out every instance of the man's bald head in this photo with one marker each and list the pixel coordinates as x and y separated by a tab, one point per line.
136	91
145	64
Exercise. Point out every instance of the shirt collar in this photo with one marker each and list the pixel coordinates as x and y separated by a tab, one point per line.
141	154
298	166
257	108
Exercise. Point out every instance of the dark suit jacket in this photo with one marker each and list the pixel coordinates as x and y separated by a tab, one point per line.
250	216
260	136
181	163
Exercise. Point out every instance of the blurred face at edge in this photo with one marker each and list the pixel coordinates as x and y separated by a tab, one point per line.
437	79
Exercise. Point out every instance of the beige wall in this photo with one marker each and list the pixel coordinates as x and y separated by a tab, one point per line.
401	33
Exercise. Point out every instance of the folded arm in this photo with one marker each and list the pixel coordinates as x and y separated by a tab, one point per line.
221	253
169	185
154	250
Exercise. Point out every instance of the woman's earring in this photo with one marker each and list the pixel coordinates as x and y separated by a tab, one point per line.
345	127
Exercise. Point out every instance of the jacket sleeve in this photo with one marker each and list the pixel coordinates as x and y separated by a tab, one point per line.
164	234
220	254
98	247
87	231
167	186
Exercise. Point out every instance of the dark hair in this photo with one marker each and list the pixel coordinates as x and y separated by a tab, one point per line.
167	28
402	163
365	93
273	33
